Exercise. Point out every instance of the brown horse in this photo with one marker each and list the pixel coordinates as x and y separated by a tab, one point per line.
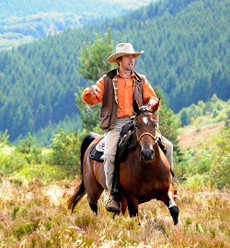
144	174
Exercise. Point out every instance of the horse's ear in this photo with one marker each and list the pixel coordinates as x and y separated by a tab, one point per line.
135	106
156	106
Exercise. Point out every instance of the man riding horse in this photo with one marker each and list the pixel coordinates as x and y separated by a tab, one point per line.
116	91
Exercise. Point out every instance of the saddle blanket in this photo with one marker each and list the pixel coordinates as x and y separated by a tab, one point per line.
97	153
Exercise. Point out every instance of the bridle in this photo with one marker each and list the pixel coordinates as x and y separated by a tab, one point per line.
147	133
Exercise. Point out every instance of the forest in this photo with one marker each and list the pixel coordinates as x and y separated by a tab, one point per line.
186	55
23	21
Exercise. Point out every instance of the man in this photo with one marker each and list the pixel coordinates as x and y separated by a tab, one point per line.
117	90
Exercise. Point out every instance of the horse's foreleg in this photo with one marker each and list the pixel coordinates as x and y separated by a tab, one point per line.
123	204
169	201
132	206
174	211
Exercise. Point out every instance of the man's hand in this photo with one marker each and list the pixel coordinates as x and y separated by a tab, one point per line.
93	90
152	101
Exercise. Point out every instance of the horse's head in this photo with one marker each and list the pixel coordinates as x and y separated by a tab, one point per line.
145	123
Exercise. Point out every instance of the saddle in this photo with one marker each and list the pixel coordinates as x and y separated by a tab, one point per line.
125	140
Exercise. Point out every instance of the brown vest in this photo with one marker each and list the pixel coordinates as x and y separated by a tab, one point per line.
108	115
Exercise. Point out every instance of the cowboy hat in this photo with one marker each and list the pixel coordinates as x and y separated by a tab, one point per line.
121	50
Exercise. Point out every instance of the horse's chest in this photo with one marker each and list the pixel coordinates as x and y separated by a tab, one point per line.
142	183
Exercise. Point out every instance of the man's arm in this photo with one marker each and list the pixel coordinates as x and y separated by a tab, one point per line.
94	94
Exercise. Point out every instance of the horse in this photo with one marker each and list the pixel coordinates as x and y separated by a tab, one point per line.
144	174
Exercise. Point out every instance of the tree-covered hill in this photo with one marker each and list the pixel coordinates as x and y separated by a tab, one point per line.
24	21
187	54
24	8
15	31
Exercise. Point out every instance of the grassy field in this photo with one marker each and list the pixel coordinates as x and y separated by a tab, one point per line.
36	215
33	204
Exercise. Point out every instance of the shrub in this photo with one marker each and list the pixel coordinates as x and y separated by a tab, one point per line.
11	163
4	137
220	117
33	154
47	173
66	151
220	173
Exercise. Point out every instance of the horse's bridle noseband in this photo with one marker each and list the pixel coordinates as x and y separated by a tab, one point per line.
147	133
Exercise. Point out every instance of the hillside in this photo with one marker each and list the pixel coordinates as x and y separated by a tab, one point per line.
195	136
202	122
186	47
24	8
24	21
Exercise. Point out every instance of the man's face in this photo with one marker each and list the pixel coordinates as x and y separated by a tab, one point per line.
127	62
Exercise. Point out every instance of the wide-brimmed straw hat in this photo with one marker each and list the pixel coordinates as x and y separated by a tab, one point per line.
121	50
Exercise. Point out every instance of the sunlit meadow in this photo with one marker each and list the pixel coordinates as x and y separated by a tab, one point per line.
35	215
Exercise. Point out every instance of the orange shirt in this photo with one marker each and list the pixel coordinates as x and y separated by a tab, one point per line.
125	95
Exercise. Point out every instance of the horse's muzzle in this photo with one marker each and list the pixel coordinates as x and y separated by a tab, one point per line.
147	154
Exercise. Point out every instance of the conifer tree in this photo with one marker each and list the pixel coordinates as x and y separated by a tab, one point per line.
93	66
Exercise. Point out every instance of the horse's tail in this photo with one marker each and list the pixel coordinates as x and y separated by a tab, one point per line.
90	137
80	190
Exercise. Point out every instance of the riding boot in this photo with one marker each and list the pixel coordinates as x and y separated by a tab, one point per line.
112	204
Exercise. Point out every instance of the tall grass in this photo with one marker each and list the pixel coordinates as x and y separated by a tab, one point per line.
36	215
35	187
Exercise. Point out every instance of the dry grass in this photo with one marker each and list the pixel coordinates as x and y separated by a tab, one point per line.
36	216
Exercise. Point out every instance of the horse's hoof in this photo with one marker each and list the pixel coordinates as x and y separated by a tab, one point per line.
174	211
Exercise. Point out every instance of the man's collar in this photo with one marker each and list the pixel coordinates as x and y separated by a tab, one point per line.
132	73
115	72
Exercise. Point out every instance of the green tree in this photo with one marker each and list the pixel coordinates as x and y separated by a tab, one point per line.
185	119
168	121
208	108
4	137
93	65
94	58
